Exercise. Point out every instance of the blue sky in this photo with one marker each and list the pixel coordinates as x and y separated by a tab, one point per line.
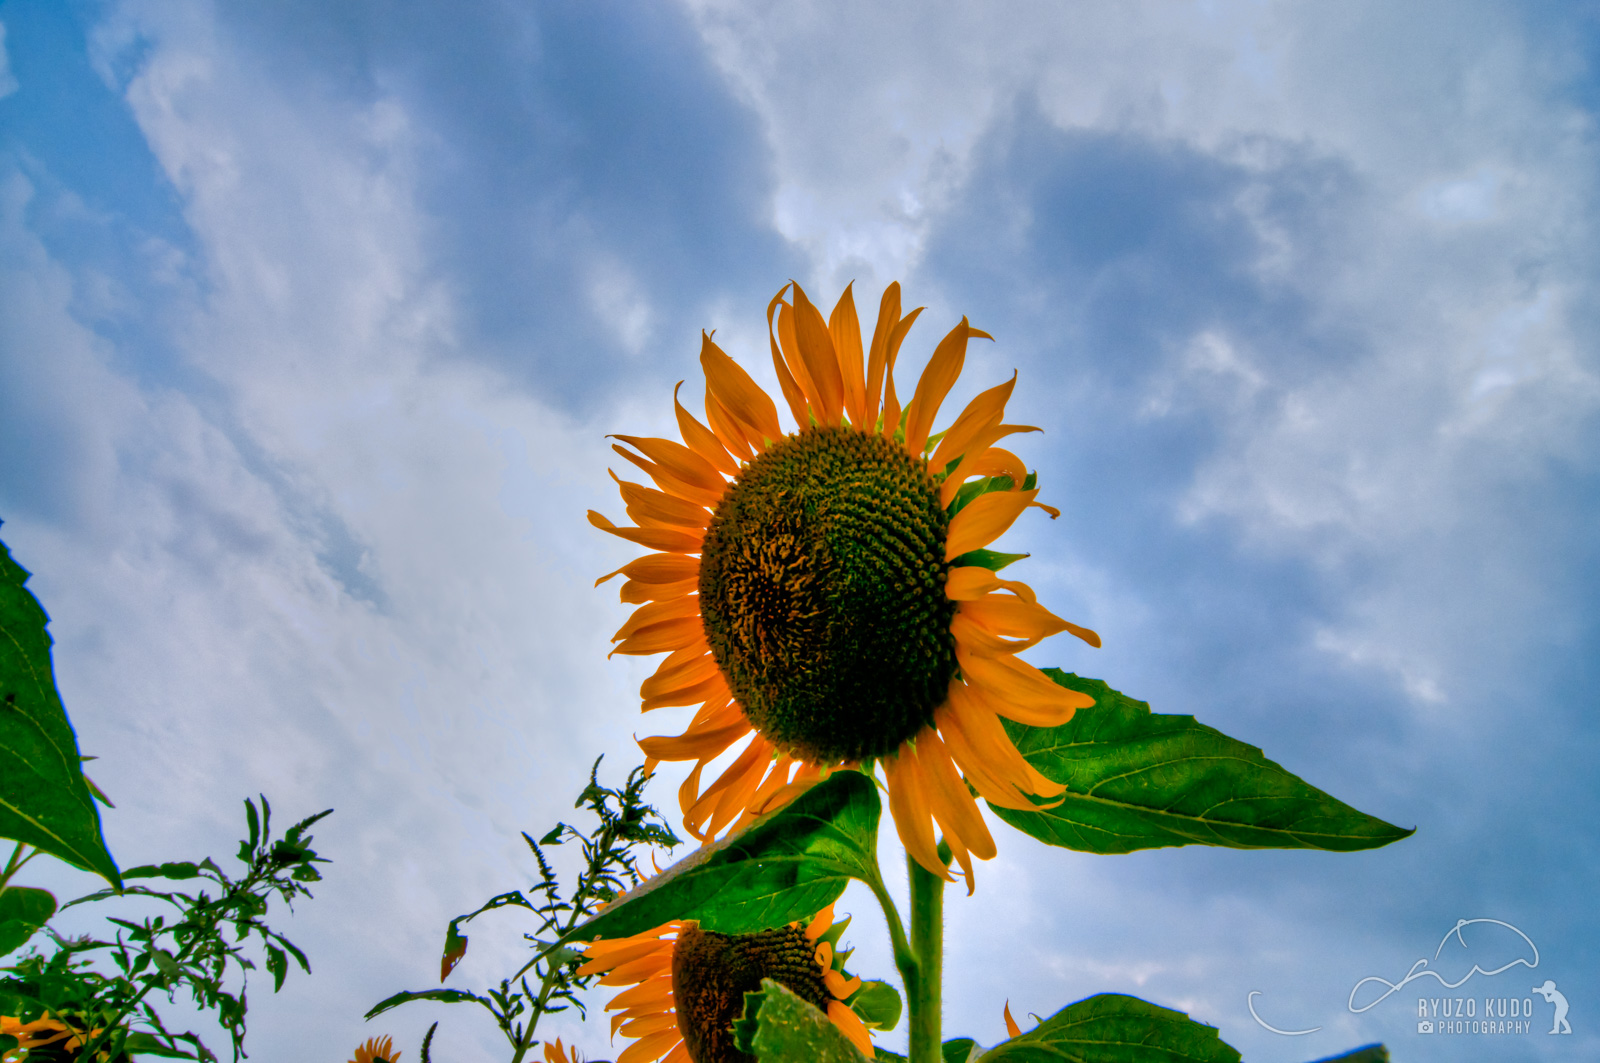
313	319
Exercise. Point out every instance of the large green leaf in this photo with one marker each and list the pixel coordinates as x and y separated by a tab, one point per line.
1113	1028
787	865
1137	780
44	798
779	1027
22	911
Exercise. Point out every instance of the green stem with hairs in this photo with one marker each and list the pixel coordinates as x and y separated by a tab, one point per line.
925	993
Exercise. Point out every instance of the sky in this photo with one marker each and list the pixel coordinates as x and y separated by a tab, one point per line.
313	320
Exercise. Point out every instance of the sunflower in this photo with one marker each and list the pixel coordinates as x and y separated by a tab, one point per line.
688	985
45	1038
555	1052
829	590
376	1050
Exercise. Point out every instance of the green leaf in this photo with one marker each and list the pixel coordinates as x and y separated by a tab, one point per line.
993	560
959	1050
1137	780
178	869
447	996
787	865
1113	1028
23	910
1369	1054
44	800
878	1004
779	1027
277	965
455	942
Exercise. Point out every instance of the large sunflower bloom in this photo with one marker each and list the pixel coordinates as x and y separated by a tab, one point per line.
687	985
842	605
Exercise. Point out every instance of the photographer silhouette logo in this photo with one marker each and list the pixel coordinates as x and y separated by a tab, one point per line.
1555	996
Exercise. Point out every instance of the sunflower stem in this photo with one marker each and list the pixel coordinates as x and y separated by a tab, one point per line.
925	989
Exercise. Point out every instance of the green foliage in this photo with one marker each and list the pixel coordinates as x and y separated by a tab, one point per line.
993	560
779	1027
1137	780
787	865
22	911
44	799
194	950
610	867
1113	1028
878	1004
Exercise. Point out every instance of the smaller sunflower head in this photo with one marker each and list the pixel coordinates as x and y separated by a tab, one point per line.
376	1050
688	985
43	1040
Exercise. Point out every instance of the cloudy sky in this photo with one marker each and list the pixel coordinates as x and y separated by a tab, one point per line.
313	319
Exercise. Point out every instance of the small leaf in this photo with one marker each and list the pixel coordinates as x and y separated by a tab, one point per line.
1113	1028
878	1004
992	560
455	947
959	1050
447	996
1137	780
277	966
44	800
779	1027
787	865
178	869
23	910
554	837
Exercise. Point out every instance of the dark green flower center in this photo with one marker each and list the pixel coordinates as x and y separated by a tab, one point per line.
822	588
712	972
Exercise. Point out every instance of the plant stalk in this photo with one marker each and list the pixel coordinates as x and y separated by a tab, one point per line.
926	990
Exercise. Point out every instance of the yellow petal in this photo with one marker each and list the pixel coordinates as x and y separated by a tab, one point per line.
1019	691
985	410
694	746
651	1048
985	519
702	440
1012	617
878	355
660	507
679	460
658	568
636	591
785	355
952	804
844	327
1011	1024
741	396
909	805
850	1025
993	747
670	483
729	432
666	540
659	638
935	383
891	401
655	612
972	581
821	361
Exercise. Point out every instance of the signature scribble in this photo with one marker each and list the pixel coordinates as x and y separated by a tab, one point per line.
1420	969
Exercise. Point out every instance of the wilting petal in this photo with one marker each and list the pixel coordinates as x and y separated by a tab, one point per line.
988	408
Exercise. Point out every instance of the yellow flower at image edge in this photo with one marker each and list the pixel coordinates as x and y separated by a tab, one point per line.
42	1036
815	587
376	1050
687	986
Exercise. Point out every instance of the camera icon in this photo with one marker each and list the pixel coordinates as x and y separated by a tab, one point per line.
1425	1026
